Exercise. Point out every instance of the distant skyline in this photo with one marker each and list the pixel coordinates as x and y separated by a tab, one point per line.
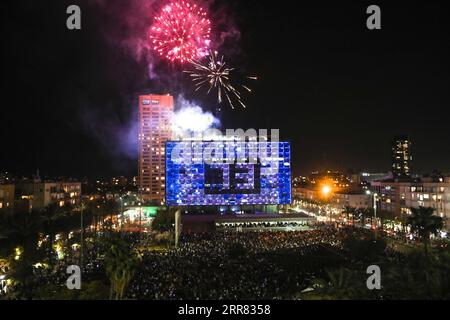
336	90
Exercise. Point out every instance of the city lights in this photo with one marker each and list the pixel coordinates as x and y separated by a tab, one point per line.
218	158
227	182
326	190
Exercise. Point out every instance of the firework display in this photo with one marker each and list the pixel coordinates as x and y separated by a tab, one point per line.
181	32
213	73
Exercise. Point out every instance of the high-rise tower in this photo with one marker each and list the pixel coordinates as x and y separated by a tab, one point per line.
401	157
155	114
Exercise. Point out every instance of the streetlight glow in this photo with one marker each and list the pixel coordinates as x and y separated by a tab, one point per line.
326	190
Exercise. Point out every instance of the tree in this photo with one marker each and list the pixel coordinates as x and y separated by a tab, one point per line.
350	210
121	263
363	214
164	220
424	224
50	215
364	249
22	233
340	284
111	207
385	216
94	207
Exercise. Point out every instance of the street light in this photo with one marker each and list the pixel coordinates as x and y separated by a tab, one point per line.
326	190
82	234
375	196
121	213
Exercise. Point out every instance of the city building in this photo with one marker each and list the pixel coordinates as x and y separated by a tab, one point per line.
42	193
401	157
372	176
155	114
338	199
355	200
7	197
6	178
399	196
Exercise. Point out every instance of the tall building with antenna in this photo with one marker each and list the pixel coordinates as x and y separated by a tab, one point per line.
155	114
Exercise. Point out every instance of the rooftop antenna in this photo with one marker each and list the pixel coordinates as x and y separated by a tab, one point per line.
37	177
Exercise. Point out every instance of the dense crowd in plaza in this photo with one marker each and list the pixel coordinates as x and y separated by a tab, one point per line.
216	265
259	225
230	265
225	264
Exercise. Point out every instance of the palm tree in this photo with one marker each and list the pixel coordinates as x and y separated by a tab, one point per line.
424	223
362	214
350	210
164	220
384	216
22	232
111	208
94	207
121	263
50	215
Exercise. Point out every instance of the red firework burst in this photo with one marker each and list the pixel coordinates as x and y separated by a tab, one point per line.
181	32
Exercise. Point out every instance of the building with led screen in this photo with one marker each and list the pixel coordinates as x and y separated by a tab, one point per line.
200	173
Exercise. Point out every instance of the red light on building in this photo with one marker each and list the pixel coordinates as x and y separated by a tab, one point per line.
155	114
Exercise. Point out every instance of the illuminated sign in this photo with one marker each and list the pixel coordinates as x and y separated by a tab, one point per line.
147	212
227	173
147	102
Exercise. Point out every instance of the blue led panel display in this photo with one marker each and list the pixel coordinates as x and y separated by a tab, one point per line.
227	173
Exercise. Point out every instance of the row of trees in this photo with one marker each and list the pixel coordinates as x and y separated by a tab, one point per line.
33	234
18	227
421	221
24	231
386	218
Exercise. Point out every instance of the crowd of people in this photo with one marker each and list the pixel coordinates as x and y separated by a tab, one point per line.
233	265
217	265
268	225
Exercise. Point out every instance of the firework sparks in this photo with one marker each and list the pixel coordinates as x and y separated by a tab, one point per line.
181	32
214	74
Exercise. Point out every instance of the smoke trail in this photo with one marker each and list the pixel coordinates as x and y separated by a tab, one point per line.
190	118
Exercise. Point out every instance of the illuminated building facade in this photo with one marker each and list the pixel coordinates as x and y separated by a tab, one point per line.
7	197
400	196
337	200
42	193
155	114
401	157
194	181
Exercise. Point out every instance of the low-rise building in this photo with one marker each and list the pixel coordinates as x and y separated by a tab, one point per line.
336	199
355	200
7	197
42	193
399	196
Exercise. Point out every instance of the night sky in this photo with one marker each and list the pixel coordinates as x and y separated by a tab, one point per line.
338	91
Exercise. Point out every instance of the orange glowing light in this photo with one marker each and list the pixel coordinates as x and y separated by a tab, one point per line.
326	189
